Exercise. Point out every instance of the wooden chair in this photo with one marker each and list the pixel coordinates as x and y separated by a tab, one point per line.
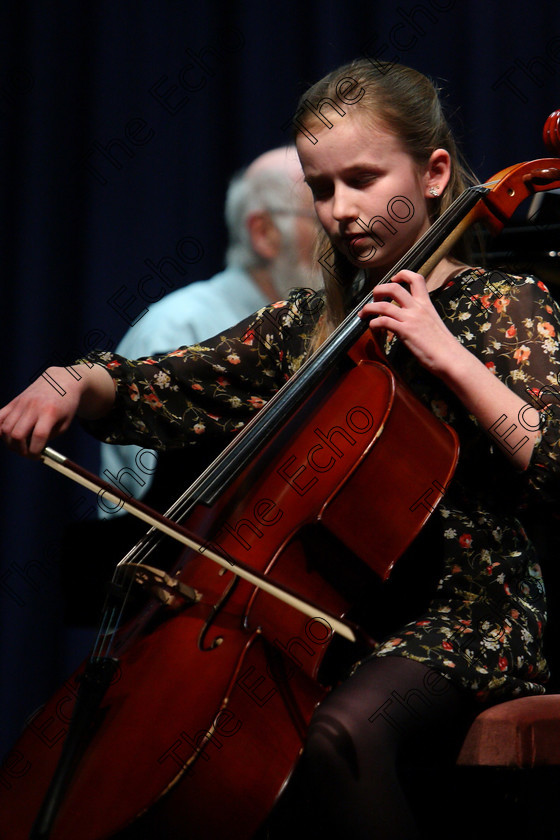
520	733
508	771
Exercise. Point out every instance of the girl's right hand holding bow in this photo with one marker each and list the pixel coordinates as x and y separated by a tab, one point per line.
43	410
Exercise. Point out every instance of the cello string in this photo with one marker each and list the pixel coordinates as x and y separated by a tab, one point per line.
109	624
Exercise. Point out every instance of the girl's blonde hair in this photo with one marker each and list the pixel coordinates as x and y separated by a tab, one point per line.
405	102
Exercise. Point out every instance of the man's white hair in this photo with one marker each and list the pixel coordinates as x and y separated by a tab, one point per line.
269	184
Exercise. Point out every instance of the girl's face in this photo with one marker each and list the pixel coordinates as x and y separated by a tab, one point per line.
369	194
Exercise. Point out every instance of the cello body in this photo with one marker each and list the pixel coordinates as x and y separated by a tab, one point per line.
207	710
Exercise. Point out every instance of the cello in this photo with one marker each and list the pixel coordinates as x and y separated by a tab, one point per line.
239	671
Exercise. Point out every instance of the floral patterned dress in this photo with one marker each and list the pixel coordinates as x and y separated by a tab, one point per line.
482	625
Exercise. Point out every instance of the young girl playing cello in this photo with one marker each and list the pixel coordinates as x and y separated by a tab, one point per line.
472	345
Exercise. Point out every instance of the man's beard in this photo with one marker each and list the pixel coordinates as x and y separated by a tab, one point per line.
288	271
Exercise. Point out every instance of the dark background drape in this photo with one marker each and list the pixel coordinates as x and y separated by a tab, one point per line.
121	123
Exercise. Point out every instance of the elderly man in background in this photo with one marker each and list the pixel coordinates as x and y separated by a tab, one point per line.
271	233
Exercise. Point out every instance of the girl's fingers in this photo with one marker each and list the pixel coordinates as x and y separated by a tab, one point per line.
382	307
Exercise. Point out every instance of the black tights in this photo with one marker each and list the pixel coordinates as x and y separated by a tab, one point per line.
363	739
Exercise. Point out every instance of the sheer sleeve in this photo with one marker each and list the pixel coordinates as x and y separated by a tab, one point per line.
518	340
208	391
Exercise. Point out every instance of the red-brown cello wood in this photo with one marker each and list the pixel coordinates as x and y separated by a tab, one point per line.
200	707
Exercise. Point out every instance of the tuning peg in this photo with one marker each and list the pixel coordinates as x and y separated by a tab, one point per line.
551	133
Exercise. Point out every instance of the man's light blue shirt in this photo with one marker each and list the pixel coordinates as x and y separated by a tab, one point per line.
184	317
